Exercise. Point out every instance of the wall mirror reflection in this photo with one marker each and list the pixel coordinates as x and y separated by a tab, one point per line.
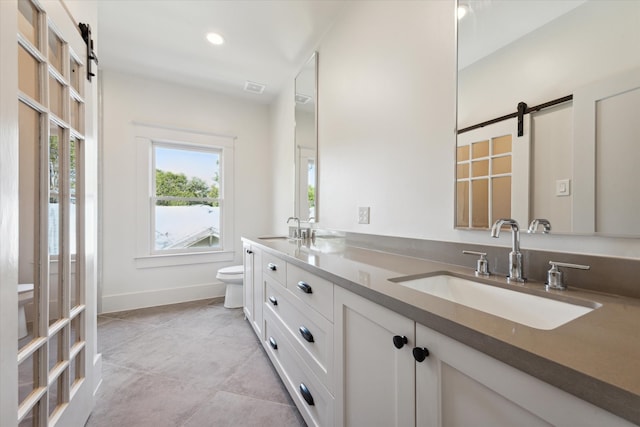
574	68
306	142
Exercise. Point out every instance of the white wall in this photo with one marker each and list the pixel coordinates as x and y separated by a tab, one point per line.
387	94
128	98
596	40
386	119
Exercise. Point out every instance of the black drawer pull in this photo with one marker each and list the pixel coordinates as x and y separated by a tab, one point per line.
272	266
249	251
306	394
304	287
420	353
273	343
399	341
306	334
273	300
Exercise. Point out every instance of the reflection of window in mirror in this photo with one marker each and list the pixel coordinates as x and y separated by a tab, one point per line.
306	181
306	141
311	187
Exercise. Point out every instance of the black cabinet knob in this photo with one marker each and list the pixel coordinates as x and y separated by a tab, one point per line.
249	251
273	343
306	394
273	300
420	353
304	287
272	266
400	341
306	334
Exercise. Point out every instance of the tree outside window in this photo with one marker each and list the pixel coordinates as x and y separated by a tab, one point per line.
186	202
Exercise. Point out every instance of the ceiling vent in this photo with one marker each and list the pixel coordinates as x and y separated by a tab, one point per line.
302	99
254	87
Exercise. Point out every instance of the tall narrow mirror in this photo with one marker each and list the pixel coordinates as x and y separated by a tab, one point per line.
306	141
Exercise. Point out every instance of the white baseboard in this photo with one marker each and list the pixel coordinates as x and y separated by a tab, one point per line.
133	300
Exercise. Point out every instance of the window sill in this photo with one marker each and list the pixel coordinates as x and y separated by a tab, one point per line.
169	260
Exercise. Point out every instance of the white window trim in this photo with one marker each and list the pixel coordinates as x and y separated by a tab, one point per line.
144	136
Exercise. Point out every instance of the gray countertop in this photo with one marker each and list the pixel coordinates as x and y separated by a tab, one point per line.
595	357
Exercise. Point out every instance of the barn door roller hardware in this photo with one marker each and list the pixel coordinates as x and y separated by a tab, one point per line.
85	29
522	109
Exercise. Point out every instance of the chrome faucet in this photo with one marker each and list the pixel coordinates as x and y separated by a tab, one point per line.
533	227
515	257
296	233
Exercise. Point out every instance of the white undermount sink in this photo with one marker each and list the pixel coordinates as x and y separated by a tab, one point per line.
528	309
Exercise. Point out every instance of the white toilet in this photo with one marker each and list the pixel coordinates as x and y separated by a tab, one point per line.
25	296
234	277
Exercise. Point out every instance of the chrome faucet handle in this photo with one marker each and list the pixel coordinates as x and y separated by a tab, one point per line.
554	276
533	226
296	232
482	265
515	256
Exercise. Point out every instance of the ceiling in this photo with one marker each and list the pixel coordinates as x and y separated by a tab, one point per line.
492	24
266	41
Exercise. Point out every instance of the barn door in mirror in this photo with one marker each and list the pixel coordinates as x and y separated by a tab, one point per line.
574	63
306	141
492	175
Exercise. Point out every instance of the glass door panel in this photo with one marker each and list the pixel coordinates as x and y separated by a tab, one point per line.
28	274
56	100
28	21
75	77
480	203
28	73
55	51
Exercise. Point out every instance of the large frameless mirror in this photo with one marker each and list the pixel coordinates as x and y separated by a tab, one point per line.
306	141
548	94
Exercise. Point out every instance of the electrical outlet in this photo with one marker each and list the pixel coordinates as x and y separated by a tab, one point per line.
363	215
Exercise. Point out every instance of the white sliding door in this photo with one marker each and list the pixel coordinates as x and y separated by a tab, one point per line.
53	361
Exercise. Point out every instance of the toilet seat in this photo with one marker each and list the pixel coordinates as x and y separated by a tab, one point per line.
234	278
233	274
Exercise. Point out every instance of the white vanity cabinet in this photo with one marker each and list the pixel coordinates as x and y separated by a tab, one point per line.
253	288
298	325
459	386
454	385
375	380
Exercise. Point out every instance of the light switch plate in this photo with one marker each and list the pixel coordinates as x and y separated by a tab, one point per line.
563	187
363	215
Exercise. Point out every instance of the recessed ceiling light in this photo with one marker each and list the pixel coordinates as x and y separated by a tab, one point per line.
215	38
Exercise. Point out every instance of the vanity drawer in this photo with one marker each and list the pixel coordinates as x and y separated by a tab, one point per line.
318	407
309	332
274	267
313	290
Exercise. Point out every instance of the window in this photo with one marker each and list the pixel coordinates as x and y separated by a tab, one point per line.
185	206
186	201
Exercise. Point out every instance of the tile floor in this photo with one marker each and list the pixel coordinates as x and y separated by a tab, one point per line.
194	364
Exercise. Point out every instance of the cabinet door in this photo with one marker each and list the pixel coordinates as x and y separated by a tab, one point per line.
375	381
459	386
248	281
258	294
